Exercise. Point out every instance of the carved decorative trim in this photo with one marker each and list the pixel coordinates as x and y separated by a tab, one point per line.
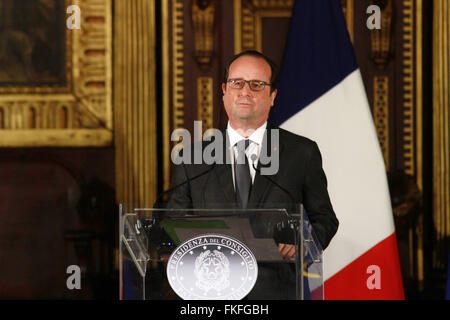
79	113
173	76
381	38
258	23
178	63
135	103
248	37
419	93
408	87
412	112
381	114
203	21
441	132
165	14
237	26
252	13
348	8
248	15
205	102
419	143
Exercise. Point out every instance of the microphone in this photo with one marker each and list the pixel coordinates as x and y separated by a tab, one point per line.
188	180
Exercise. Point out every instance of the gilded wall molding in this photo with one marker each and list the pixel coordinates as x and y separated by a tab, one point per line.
419	257
173	76
348	8
178	64
441	132
135	103
381	38
165	15
381	114
412	97
259	16
172	13
249	13
419	93
78	113
237	12
248	20
408	87
203	21
205	102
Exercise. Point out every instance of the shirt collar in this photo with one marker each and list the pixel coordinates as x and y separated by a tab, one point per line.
257	136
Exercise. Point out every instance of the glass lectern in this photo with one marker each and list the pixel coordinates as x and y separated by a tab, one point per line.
218	254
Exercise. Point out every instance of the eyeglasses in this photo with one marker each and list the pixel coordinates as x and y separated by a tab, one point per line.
255	85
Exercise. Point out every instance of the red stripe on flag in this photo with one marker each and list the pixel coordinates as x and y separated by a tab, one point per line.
359	279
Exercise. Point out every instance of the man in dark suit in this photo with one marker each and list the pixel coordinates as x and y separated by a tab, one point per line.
240	181
249	91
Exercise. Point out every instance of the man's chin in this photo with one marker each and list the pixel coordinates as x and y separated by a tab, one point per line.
246	119
245	133
245	114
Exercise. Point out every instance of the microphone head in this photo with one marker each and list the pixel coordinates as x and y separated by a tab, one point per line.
253	157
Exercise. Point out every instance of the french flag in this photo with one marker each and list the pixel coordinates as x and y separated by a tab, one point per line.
321	96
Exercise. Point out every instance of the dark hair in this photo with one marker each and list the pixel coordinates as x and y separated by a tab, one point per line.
254	53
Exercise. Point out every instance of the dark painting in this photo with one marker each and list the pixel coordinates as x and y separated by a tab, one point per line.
32	42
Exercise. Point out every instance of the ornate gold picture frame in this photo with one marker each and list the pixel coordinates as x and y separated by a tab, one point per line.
75	112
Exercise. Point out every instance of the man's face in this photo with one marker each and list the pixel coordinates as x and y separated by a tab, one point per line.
245	107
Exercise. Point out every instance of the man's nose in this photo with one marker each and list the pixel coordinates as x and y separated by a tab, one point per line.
246	91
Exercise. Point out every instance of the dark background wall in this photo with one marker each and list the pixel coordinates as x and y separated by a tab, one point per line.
57	208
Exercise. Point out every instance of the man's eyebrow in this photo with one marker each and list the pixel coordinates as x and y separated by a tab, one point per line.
247	80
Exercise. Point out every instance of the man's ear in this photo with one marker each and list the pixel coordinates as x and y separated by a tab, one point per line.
224	88
273	95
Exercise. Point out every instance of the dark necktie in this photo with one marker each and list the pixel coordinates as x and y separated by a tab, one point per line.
242	174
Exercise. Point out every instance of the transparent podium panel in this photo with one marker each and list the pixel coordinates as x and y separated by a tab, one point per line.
212	254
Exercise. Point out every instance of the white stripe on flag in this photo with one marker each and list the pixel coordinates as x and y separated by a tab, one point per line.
341	123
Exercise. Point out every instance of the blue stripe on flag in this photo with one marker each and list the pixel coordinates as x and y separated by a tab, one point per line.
318	55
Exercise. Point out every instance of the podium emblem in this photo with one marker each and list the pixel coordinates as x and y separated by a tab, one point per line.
212	267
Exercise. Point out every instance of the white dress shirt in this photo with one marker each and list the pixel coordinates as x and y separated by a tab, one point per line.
254	147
